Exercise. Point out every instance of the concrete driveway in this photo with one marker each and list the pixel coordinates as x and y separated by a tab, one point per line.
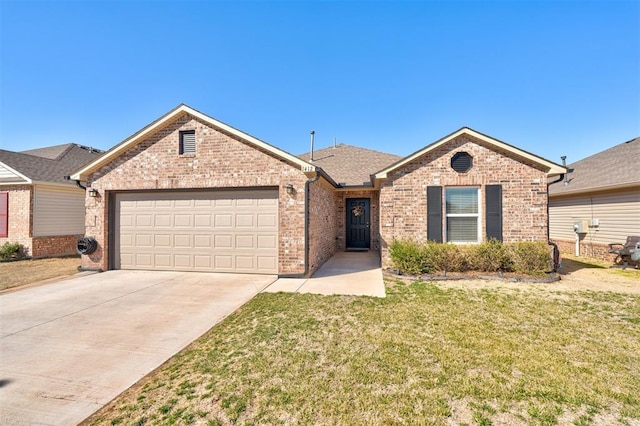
68	348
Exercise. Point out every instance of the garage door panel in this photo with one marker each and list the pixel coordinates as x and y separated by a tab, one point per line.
222	231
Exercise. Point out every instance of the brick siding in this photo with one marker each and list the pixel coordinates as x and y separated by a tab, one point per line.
220	161
55	246
20	216
403	203
322	224
587	249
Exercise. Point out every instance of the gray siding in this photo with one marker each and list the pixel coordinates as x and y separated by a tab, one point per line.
58	211
618	213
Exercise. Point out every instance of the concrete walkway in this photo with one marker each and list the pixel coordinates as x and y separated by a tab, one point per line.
68	348
346	273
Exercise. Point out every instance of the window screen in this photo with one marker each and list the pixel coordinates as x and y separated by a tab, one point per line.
188	142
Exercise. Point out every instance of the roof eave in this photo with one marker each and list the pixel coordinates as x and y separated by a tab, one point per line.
83	173
25	178
596	189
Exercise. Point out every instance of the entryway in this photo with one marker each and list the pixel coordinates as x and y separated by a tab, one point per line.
358	224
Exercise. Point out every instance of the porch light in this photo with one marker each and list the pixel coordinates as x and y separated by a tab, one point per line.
289	188
93	193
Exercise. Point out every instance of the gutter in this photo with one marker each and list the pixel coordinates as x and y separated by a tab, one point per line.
78	184
556	252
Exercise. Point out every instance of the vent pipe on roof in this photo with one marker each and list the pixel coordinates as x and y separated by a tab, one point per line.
335	142
311	156
564	164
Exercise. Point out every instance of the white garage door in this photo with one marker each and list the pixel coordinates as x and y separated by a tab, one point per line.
221	231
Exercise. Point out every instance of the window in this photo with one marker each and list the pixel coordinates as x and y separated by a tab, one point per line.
4	214
463	212
188	142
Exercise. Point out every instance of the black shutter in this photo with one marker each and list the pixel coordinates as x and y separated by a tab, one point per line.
434	213
493	217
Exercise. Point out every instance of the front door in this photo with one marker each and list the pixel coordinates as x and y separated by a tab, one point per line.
358	223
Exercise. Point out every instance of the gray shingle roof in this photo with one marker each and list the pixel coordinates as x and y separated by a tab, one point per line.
616	166
49	164
350	165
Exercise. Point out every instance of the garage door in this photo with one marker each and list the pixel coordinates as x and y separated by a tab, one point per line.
221	231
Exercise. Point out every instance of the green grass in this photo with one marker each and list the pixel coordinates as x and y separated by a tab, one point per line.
426	354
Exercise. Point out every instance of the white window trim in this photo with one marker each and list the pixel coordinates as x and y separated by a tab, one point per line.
476	215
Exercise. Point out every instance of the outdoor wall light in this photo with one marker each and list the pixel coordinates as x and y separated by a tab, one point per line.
289	188
93	193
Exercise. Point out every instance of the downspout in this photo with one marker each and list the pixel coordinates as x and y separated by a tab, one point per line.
556	251
78	184
307	203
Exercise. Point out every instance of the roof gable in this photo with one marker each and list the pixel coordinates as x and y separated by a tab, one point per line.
616	167
141	135
29	168
350	165
550	167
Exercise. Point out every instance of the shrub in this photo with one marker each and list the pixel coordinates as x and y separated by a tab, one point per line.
530	257
448	258
490	256
10	250
410	257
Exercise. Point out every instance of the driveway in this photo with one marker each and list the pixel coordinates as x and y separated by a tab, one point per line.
68	348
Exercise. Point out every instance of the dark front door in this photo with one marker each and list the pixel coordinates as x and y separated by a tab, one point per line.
358	223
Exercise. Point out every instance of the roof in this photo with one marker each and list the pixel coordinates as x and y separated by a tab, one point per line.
614	168
140	136
552	168
350	165
50	164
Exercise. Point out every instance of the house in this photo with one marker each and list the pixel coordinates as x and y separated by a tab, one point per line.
38	207
188	192
601	195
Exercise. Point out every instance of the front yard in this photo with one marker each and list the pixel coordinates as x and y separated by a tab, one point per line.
427	354
29	271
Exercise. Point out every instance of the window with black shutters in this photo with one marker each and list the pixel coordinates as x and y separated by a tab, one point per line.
188	142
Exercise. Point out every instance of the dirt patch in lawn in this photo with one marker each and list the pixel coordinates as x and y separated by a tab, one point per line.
30	271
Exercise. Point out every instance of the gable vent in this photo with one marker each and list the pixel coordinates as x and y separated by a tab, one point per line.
188	142
461	162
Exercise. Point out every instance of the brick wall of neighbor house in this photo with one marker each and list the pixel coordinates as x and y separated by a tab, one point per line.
220	161
374	207
322	224
403	200
63	245
587	249
20	216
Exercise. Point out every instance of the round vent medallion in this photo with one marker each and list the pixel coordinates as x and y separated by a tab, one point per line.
461	162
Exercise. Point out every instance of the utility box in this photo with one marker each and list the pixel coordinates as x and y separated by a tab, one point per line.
581	226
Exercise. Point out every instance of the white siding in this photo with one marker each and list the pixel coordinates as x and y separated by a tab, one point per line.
58	211
7	175
618	214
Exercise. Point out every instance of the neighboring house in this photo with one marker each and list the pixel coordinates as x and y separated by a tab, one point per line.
602	195
38	207
189	192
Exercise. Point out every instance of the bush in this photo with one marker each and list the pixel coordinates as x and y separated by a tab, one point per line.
10	250
410	257
417	258
490	256
530	257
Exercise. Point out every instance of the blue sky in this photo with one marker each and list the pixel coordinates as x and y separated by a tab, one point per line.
551	77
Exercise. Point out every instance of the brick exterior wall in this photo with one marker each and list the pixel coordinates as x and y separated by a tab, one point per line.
55	246
20	216
374	213
322	224
403	202
587	249
220	161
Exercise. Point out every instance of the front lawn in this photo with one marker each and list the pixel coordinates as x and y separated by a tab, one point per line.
427	354
27	271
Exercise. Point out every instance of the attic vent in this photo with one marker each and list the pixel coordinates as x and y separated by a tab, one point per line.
188	142
461	162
